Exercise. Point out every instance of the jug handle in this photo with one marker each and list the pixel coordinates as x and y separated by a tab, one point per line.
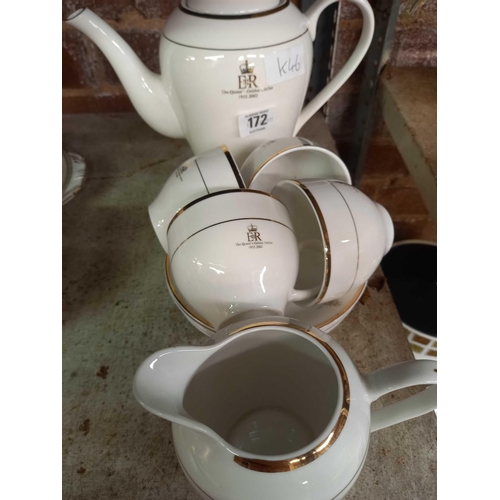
399	376
312	15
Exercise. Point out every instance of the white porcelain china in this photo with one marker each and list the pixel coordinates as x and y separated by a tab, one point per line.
234	253
326	317
232	72
195	319
374	228
210	172
342	235
329	315
275	409
291	158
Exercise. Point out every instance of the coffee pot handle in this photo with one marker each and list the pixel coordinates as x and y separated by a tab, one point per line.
399	376
312	15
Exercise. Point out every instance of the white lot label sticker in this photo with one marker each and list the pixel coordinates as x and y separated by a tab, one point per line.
284	65
252	123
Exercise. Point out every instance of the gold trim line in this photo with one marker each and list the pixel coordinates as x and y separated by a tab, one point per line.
355	231
234	167
259	168
326	238
272	466
190	478
337	315
224	222
170	282
217	193
346	308
238	49
187	10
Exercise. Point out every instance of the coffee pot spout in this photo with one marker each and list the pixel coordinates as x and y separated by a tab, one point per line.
142	85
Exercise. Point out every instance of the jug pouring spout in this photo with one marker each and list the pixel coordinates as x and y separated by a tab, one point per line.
144	87
161	380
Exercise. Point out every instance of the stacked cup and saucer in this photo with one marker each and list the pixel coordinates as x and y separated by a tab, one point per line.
266	260
285	235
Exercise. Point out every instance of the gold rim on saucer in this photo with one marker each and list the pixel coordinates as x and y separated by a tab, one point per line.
350	304
209	326
295	146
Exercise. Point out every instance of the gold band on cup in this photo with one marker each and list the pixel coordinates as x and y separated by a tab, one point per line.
326	249
234	167
210	195
224	222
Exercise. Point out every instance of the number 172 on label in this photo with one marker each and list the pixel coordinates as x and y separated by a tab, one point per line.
252	123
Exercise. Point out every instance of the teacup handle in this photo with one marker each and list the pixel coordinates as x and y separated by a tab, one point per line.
298	295
312	15
399	376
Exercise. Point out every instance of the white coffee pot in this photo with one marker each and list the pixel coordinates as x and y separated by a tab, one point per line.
233	72
275	408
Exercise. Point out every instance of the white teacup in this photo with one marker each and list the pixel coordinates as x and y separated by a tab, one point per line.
210	172
234	254
195	319
326	317
342	235
291	158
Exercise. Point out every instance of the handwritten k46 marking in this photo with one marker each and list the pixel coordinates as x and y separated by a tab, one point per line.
288	66
284	65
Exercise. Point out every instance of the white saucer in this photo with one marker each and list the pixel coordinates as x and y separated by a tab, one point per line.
291	158
73	175
323	316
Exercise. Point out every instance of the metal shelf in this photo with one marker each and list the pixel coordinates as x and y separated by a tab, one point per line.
408	105
407	98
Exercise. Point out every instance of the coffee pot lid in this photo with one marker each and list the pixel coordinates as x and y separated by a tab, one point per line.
232	8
